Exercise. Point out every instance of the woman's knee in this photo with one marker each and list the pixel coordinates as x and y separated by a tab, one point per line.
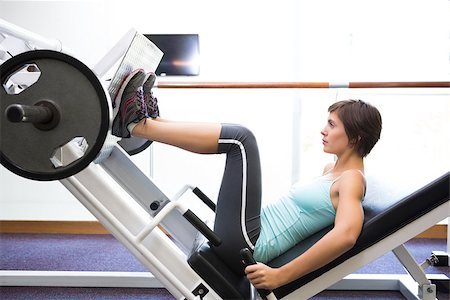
240	133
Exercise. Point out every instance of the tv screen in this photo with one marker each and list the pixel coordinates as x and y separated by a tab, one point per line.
181	54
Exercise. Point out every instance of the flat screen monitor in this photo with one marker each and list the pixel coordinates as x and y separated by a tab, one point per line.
181	54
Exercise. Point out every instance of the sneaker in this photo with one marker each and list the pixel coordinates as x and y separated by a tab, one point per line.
132	107
150	101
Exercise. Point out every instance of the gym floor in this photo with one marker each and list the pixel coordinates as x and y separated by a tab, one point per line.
78	252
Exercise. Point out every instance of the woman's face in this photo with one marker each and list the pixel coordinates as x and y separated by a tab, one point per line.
335	140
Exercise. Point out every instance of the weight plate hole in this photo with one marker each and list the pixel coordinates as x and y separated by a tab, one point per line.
22	79
70	152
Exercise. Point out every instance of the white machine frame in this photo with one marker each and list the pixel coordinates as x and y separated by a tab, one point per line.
119	195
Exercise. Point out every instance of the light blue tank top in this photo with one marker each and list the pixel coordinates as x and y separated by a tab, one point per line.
306	209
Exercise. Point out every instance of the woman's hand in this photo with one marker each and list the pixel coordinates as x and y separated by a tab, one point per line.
263	276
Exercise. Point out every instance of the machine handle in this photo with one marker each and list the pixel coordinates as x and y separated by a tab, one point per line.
202	227
204	198
248	259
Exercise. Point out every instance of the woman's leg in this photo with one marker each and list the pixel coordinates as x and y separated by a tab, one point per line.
195	137
237	220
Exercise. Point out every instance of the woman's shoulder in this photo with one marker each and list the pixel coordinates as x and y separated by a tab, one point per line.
353	179
353	173
352	176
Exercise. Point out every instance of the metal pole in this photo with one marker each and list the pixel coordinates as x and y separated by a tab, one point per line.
28	36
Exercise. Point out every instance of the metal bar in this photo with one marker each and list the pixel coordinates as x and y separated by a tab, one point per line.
79	279
28	36
299	85
402	283
123	217
448	240
155	221
101	212
411	265
400	84
142	188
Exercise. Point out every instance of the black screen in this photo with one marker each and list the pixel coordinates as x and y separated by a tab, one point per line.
181	53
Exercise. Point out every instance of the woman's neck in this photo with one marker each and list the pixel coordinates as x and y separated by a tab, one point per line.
348	162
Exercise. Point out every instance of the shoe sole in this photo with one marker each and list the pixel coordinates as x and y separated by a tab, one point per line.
119	95
123	85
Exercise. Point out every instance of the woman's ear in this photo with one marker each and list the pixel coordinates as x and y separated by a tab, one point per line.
355	141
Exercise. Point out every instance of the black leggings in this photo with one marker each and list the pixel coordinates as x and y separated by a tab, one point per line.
237	220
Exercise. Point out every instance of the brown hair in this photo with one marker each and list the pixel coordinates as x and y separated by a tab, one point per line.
362	123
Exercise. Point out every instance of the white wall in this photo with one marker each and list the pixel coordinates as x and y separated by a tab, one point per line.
240	40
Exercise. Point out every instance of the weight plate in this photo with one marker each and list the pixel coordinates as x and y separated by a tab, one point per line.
84	113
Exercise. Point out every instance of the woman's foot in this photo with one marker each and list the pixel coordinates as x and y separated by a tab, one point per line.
132	107
150	101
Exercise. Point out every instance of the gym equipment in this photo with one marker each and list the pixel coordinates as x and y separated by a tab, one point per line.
164	233
141	53
247	258
66	103
51	99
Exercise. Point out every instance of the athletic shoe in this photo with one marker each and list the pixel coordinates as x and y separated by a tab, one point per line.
132	107
150	100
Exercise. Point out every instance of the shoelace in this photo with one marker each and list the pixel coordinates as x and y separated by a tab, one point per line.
152	105
141	103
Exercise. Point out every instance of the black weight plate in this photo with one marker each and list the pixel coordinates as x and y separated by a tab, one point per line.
79	96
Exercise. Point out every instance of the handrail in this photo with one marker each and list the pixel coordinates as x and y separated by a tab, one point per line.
300	85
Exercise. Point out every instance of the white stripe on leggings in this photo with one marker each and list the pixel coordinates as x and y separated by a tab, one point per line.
244	187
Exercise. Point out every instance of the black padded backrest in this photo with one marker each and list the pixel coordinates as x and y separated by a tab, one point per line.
382	218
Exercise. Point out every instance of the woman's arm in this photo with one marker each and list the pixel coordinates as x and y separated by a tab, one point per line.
347	227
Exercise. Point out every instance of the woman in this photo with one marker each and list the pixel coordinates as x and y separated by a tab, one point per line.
352	129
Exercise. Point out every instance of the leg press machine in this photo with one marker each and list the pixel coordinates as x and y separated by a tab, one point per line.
162	232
